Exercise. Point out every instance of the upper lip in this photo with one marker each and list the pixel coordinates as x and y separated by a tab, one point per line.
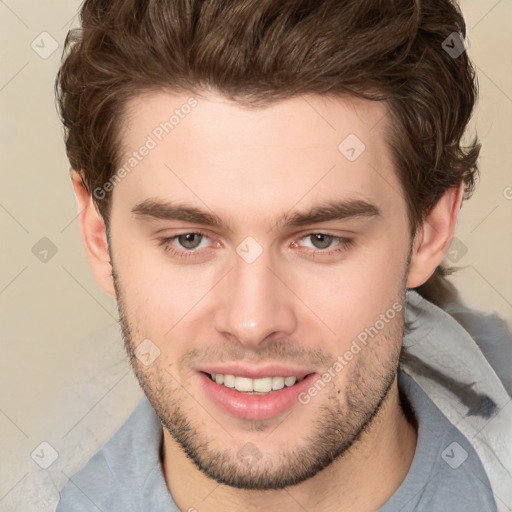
256	372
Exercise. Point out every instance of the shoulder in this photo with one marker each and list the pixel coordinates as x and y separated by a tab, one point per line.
446	472
114	478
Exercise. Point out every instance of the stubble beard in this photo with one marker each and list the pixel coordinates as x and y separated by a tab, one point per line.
337	425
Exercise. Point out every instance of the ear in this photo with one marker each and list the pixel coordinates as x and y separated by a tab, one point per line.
434	237
94	236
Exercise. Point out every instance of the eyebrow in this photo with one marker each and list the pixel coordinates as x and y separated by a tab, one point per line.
333	210
328	211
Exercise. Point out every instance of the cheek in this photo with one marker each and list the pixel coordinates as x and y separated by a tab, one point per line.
160	301
160	296
351	296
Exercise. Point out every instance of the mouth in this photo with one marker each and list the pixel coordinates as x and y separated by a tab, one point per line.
258	386
255	398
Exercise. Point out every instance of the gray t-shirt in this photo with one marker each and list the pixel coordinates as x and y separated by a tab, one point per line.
126	476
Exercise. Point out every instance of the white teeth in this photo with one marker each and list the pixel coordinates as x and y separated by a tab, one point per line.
243	384
247	385
229	381
290	381
277	383
262	385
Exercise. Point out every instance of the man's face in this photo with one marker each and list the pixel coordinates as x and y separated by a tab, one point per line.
257	294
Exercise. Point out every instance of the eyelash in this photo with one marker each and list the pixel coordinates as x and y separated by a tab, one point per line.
343	245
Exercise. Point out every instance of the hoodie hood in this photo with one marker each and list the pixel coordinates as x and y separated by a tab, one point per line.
454	368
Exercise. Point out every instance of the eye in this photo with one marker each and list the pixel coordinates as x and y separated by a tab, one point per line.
321	240
193	244
190	240
185	245
324	243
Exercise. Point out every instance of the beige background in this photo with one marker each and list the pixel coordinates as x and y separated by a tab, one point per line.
65	378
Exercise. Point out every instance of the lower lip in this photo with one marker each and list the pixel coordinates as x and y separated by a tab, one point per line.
255	407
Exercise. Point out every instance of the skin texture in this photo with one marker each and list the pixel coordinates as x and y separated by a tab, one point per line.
351	445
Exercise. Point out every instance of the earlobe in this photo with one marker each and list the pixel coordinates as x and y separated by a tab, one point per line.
434	237
94	236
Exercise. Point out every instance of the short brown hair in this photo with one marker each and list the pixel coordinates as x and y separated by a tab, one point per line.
256	52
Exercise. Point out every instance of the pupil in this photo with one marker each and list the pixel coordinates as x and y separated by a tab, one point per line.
323	240
187	240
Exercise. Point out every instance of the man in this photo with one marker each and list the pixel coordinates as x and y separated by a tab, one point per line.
263	186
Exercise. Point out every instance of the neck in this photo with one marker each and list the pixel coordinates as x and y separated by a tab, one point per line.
363	479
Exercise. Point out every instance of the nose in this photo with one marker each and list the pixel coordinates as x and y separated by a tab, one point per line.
254	303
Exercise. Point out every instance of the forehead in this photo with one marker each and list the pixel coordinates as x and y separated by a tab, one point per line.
208	151
299	122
